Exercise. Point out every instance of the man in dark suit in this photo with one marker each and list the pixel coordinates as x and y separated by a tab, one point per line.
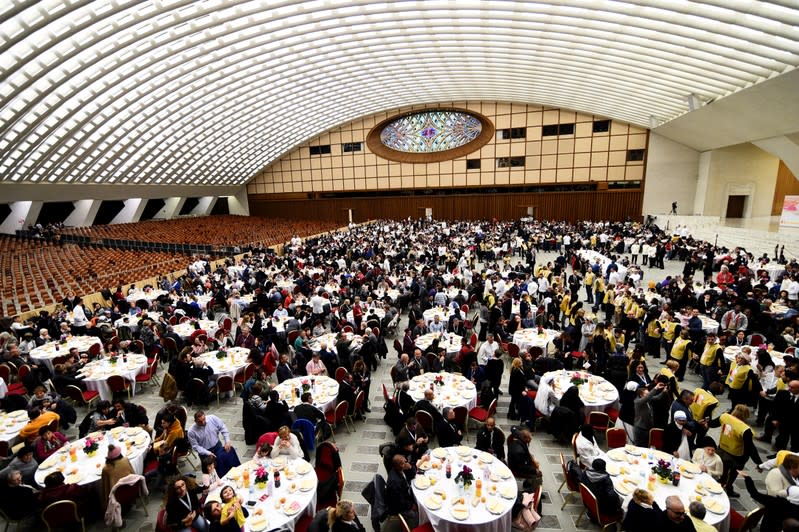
346	392
418	364
306	410
785	412
449	433
405	401
491	440
494	370
413	432
427	405
399	498
284	369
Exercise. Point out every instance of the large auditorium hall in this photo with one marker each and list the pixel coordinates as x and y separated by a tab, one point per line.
404	266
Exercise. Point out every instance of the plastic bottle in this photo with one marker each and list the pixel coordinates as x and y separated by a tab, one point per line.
449	470
277	479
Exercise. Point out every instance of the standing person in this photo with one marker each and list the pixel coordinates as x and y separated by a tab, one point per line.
116	467
204	436
516	385
183	511
711	361
644	411
784	414
736	445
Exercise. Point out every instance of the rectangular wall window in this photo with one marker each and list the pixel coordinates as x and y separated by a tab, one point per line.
512	133
472	164
324	149
557	129
601	126
635	155
510	162
351	146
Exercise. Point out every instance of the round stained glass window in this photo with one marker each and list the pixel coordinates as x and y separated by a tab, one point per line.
430	135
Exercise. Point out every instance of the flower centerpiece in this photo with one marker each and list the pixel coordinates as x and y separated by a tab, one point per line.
306	385
577	379
540	331
439	380
663	470
465	477
261	477
114	358
91	446
220	354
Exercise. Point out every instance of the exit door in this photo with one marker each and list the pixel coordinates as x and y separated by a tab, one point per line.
735	206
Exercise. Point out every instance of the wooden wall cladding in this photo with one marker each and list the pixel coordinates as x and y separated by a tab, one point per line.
569	206
787	185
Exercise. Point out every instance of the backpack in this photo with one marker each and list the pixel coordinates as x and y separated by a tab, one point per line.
526	517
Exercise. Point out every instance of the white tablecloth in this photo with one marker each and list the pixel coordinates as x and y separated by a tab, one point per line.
590	255
526	338
46	353
324	392
95	374
234	362
596	393
132	322
150	295
451	342
185	329
709	325
498	490
638	466
379	312
134	442
330	340
773	269
442	313
299	489
10	425
456	390
731	351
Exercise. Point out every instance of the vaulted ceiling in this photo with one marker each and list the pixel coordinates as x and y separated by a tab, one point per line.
207	93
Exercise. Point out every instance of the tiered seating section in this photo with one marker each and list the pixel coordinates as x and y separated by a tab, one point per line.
225	230
35	273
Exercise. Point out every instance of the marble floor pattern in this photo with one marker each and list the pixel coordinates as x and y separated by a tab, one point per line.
359	450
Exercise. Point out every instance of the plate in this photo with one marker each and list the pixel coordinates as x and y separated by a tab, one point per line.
424	466
609	396
303	468
626	486
613	470
714	487
507	492
496	507
306	484
291	508
660	455
632	449
421	482
690	467
433	502
258	523
617	455
440	452
486	458
714	506
460	512
74	478
463	450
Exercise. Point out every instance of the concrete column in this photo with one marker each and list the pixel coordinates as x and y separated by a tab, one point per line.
785	148
132	211
204	207
703	179
23	214
84	213
171	208
238	203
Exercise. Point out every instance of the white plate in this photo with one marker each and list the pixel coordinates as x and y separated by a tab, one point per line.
459	513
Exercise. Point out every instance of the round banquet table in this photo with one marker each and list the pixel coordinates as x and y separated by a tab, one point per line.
597	393
233	363
185	329
330	340
10	425
45	354
709	325
436	494
149	295
95	374
450	342
133	441
442	313
280	323
295	497
731	351
527	338
379	312
630	467
324	392
456	390
778	309
132	322
773	269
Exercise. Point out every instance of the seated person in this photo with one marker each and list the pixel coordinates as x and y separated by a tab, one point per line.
17	500
37	420
287	444
183	510
399	497
449	432
521	462
47	443
708	460
587	448
277	411
55	489
598	481
24	463
490	440
642	511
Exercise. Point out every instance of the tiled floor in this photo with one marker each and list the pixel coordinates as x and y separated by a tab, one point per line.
361	461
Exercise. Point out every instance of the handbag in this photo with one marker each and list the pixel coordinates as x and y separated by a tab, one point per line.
527	518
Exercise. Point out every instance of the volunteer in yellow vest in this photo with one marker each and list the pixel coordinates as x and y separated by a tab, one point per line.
740	381
669	373
669	332
589	286
654	332
681	351
599	291
736	445
565	308
711	361
777	461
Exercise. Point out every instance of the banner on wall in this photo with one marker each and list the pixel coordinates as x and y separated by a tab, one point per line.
790	212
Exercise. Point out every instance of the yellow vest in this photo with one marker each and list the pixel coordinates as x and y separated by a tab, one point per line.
732	434
678	350
652	329
709	355
703	401
781	456
781	385
589	278
599	284
737	375
669	328
670	375
564	305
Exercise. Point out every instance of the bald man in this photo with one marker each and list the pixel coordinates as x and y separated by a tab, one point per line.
674	517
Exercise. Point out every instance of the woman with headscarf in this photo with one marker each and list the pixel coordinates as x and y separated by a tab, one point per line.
587	448
566	417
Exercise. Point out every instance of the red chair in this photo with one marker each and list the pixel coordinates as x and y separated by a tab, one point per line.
480	414
346	329
756	339
745	523
23	372
591	506
427	527
513	350
573	487
599	421
337	416
62	514
293	336
617	437
117	383
358	409
227	325
613	414
225	384
656	438
94	350
386	397
129	494
341	372
425	420
461	416
244	376
149	377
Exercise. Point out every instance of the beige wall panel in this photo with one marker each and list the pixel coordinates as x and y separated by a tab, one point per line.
564	175
549	147
502	178
582	160
582	174
487	151
582	145
583	129
502	121
636	142
549	161
419	169
445	180
383	182
566	145
548	176
551	116
533	148
534	132
618	128
503	109
617	158
445	167
566	160
599	173
472	180
615	173
618	142
359	172
488	108
336	173
600	144
532	162
634	173
316	163
517	177
518	119
503	149
370	171
432	168
459	180
599	158
581	117
307	186
382	170
532	176
567	117
518	148
407	181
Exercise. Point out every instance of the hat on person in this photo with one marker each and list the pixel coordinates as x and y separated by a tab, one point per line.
113	452
679	415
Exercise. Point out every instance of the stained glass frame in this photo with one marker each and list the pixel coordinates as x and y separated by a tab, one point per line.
430	135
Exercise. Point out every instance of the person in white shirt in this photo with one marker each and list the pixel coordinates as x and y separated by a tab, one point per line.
280	312
587	448
436	326
487	350
287	444
79	320
315	366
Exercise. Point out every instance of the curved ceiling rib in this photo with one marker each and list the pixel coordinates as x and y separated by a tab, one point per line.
187	92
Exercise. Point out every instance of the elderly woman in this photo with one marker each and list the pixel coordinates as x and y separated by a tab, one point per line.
342	518
287	443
